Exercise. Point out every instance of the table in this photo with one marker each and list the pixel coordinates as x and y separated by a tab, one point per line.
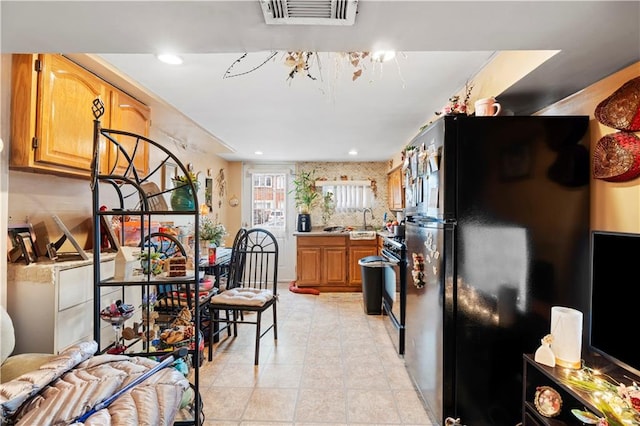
219	269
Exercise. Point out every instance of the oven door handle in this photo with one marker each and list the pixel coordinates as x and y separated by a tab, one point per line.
390	258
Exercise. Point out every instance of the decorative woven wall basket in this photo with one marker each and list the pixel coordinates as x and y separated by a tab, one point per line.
616	157
621	110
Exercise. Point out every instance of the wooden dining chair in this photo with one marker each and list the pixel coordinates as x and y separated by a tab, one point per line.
251	285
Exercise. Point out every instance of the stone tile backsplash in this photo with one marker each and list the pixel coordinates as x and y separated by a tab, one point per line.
373	171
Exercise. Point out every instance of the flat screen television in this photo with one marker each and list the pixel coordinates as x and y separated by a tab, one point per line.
615	297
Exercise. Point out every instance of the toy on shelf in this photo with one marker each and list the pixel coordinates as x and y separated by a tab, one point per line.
116	314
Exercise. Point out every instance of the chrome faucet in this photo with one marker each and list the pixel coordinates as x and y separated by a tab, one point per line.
364	217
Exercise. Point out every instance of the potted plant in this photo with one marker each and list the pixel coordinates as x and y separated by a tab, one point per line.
151	262
305	197
211	231
328	207
182	197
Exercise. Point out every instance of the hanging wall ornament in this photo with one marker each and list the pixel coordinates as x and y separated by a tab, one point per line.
616	157
621	110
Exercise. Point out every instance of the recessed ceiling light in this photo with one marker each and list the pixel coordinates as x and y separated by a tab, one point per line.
170	59
383	55
258	153
353	152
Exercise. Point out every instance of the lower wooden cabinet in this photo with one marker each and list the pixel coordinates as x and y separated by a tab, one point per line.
322	261
357	250
331	262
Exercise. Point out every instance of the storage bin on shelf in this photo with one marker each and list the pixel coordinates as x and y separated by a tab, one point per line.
132	231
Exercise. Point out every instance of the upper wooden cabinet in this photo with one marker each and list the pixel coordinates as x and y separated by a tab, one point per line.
52	120
132	116
396	192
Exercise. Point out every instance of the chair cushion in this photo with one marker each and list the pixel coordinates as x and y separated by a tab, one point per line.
243	297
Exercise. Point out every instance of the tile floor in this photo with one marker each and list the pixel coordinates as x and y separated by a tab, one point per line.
332	364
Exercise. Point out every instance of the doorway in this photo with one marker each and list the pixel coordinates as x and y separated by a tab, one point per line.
270	206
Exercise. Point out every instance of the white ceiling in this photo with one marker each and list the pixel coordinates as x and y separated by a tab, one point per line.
445	43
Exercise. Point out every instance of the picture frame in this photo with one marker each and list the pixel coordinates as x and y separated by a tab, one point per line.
14	246
169	171
114	241
547	401
67	234
27	247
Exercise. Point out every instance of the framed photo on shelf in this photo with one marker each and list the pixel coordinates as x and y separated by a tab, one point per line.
15	236
109	234
23	239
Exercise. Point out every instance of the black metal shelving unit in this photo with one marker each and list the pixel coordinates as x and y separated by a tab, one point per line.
130	187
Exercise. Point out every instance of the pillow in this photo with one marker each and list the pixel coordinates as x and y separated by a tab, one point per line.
7	335
20	364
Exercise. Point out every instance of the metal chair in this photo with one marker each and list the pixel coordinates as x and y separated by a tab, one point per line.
252	283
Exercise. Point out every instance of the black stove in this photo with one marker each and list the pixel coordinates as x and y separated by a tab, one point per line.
394	288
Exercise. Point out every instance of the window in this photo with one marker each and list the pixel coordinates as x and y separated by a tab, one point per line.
268	199
349	196
262	181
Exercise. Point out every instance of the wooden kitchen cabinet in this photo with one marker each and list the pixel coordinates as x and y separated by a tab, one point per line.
322	261
133	116
52	120
357	250
330	263
396	191
309	261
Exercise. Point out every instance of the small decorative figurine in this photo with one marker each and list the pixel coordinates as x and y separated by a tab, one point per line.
544	354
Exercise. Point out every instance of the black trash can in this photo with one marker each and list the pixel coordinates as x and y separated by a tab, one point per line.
372	275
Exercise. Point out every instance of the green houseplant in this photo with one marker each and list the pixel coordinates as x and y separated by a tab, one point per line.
305	197
305	191
211	231
182	197
328	207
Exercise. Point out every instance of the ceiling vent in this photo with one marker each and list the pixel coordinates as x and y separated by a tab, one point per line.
309	12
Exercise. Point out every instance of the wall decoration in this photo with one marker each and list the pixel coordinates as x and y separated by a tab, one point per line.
548	401
616	157
221	184
208	193
169	171
621	110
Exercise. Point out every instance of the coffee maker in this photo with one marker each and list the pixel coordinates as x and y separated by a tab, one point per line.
304	222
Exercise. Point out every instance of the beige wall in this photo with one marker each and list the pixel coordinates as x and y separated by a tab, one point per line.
233	218
614	206
35	197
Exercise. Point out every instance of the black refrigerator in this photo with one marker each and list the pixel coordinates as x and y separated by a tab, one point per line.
497	232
